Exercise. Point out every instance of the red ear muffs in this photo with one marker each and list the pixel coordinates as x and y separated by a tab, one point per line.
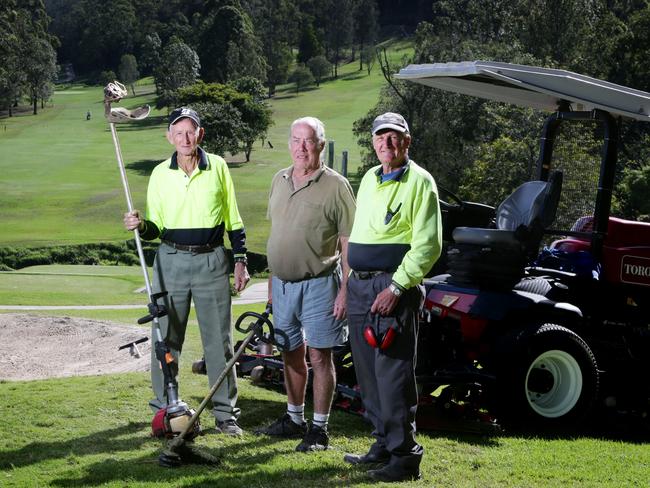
383	342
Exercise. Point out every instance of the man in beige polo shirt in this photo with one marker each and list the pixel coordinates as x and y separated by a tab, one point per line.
311	208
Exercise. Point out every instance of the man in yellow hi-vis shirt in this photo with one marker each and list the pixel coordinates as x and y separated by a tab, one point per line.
395	239
190	205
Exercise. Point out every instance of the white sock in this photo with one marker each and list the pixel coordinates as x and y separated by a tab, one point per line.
297	413
321	419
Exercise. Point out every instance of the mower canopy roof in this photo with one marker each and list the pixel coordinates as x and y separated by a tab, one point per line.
530	86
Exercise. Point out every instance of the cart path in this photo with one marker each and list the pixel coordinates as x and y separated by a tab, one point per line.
255	293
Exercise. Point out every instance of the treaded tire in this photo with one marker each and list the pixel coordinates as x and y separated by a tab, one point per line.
547	377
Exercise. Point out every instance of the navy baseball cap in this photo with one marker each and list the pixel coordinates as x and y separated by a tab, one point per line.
184	113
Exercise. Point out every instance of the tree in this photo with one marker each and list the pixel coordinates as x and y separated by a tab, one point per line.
235	119
366	27
369	57
309	46
150	52
45	93
338	30
179	66
228	46
636	187
302	77
106	32
37	55
275	22
129	71
12	77
319	67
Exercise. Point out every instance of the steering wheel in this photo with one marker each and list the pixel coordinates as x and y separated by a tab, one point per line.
447	194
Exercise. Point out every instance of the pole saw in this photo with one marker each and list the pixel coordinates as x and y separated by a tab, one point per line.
175	417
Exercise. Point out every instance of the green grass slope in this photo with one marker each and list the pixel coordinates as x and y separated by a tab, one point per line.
60	181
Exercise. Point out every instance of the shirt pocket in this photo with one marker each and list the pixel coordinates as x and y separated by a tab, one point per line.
309	215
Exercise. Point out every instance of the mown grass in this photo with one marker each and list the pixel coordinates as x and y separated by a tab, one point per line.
58	285
94	431
60	182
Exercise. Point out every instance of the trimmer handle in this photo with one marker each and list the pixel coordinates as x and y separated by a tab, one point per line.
258	326
156	310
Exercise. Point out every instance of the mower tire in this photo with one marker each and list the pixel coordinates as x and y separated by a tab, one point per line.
548	378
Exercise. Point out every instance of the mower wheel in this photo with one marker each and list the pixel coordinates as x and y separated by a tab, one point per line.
550	378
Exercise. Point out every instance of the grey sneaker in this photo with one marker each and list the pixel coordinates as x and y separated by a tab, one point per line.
316	439
284	427
229	427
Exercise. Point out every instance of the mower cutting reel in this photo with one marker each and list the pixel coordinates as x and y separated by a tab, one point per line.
176	409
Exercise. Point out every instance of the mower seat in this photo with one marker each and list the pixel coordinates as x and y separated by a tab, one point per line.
497	258
520	219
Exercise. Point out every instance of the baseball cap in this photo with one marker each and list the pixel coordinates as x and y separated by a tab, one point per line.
390	120
184	113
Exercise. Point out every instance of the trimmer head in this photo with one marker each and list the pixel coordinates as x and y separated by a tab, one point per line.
186	453
170	421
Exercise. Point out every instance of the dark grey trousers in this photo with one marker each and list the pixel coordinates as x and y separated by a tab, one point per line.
387	377
204	279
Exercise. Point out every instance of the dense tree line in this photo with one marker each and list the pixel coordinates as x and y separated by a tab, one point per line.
27	52
232	38
484	149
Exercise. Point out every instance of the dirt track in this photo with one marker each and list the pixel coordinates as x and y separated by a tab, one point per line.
36	347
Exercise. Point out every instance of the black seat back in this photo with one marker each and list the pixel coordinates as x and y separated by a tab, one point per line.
533	204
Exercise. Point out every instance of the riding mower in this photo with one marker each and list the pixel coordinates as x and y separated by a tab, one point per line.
545	337
509	334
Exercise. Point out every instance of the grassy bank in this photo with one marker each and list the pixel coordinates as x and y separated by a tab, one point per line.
94	431
61	183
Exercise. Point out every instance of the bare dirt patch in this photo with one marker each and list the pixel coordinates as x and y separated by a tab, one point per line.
37	347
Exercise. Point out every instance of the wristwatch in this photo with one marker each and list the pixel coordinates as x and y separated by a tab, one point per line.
241	259
395	290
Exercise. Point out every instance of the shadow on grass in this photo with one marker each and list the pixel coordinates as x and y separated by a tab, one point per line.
354	76
253	461
615	426
235	471
143	167
107	441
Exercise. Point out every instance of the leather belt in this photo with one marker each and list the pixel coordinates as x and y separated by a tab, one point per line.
365	275
196	249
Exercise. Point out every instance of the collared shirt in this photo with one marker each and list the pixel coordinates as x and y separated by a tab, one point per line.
194	209
307	222
397	227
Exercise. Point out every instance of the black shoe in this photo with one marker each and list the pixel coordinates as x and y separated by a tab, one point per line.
381	457
316	439
229	427
284	427
392	473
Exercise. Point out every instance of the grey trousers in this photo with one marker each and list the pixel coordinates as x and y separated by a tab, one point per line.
204	279
387	377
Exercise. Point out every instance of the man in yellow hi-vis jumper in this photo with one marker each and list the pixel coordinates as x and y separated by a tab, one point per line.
395	239
190	205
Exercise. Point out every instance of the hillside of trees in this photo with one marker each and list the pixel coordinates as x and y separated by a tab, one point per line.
228	56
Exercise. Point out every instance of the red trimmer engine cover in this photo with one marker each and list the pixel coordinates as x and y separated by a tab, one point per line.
166	425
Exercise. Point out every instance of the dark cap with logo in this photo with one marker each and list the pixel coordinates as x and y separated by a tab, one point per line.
184	113
391	121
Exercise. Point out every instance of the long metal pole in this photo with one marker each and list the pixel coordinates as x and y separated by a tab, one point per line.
172	393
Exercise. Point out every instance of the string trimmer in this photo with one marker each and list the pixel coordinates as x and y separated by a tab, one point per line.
175	417
177	451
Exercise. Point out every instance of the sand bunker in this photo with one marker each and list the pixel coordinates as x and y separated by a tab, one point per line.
36	347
